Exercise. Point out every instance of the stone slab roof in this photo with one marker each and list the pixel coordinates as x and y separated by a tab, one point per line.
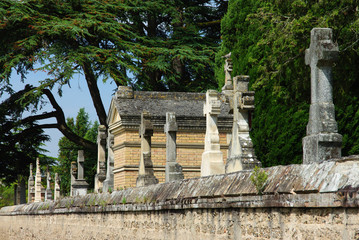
158	103
333	183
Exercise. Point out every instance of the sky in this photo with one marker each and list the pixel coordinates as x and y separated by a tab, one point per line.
73	98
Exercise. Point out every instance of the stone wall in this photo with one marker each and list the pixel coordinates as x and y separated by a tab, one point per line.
309	201
244	223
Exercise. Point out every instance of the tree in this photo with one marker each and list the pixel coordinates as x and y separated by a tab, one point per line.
68	151
164	45
267	40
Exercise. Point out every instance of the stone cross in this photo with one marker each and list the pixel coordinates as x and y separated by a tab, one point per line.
212	157
108	184
145	171
57	187
31	187
48	192
80	185
322	141
241	154
101	158
173	169
38	186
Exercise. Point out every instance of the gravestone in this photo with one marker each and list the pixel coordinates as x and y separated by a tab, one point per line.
145	171
80	185
322	141
241	154
48	192
108	184
31	186
173	169
101	158
57	187
212	157
38	186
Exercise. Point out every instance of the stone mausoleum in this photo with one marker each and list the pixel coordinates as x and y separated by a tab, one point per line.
124	123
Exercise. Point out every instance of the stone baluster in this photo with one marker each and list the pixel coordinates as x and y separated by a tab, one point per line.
212	157
322	141
173	169
145	172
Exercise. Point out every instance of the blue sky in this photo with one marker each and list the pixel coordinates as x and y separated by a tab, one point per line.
73	98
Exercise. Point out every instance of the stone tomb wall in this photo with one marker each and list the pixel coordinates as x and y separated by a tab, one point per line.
244	223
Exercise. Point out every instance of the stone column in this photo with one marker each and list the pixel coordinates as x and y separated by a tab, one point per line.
80	185
101	158
57	187
212	157
38	185
31	187
108	183
241	154
322	141
173	169
48	192
145	169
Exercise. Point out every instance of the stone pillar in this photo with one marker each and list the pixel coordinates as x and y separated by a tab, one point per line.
212	157
101	158
38	185
73	173
80	185
322	141
241	154
173	169
108	183
145	169
31	187
57	187
48	192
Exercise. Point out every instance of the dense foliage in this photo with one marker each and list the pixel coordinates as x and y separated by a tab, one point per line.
68	151
268	41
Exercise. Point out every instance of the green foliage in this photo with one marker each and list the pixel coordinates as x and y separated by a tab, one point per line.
268	41
259	178
68	151
162	44
6	195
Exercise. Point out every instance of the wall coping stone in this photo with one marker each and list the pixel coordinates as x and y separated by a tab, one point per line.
332	183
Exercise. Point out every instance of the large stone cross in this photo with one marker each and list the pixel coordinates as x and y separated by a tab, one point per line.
145	170
322	141
80	185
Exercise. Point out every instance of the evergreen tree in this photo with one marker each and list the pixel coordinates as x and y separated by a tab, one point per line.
268	41
68	151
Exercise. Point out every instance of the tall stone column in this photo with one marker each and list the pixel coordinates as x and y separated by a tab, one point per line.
57	187
322	141
80	185
173	169
212	157
145	172
48	192
241	154
38	185
101	158
31	187
108	183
